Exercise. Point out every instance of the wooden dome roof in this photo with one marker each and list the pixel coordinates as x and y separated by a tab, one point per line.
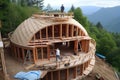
25	31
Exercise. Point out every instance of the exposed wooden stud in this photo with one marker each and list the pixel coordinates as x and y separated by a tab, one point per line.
42	52
48	52
67	74
18	53
76	31
51	75
76	46
60	30
34	55
53	31
75	72
72	30
15	52
23	55
40	35
59	75
46	32
67	30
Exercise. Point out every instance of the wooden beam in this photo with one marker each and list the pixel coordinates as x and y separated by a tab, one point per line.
76	46
53	31
36	54
23	55
48	52
34	58
40	35
42	52
51	75
81	69
76	31
3	63
60	30
15	51
72	31
18	52
46	32
59	75
75	72
67	30
67	74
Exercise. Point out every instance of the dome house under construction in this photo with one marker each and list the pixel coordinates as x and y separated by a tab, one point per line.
36	39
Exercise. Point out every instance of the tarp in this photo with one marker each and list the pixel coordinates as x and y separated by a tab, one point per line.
31	75
101	56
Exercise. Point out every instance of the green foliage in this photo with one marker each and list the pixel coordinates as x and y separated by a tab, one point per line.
107	43
13	15
80	18
72	8
114	58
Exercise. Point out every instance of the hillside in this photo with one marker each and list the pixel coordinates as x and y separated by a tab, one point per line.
109	17
88	10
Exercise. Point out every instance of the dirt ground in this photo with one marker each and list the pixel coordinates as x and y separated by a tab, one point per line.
101	68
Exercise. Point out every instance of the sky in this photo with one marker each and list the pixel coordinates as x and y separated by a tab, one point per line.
78	3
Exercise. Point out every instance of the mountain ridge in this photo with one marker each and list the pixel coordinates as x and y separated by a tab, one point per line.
108	17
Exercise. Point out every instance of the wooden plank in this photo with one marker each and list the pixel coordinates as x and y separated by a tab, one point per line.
43	74
30	66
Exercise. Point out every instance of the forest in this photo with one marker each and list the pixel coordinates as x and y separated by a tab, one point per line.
12	14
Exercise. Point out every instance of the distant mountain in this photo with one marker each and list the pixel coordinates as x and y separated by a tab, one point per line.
88	10
109	18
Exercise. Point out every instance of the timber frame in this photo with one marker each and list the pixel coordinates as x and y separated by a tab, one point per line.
40	35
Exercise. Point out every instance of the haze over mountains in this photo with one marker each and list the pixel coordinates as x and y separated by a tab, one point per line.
108	17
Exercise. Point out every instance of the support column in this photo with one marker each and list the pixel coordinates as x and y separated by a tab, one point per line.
75	72
67	74
23	55
60	30
18	52
81	69
40	35
42	52
34	58
46	32
53	31
67	30
36	54
48	52
51	75
72	31
59	75
76	47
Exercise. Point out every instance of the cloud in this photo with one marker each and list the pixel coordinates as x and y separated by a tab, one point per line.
76	3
